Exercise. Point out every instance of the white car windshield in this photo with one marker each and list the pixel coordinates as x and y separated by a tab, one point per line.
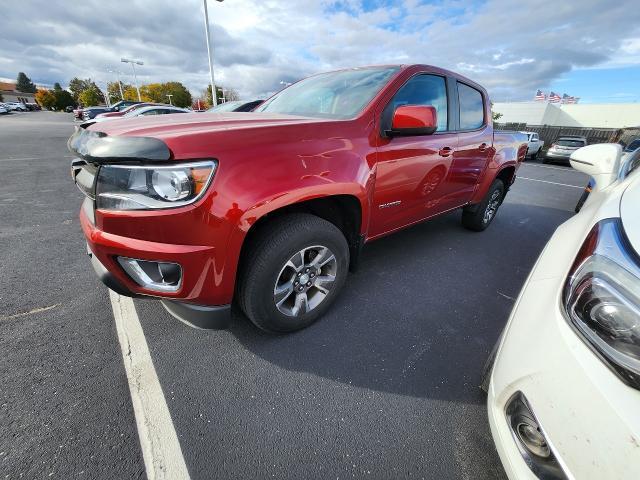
338	95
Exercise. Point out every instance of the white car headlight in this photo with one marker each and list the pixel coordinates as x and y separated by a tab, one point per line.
602	298
134	187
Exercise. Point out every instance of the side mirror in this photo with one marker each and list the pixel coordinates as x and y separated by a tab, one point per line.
409	120
600	161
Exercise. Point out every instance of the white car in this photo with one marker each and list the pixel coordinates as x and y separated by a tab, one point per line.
3	108
140	112
16	106
534	145
564	389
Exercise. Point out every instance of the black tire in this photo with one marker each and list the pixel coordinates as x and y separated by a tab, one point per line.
534	156
474	218
265	258
545	160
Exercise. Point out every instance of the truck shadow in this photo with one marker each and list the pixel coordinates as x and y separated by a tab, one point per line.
423	311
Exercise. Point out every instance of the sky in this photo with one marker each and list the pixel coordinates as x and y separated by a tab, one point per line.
585	48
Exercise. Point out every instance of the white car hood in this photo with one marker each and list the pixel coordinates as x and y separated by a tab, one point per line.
630	211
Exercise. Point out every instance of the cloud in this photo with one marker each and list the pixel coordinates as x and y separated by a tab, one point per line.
510	47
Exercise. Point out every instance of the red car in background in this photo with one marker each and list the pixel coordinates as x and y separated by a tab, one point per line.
270	209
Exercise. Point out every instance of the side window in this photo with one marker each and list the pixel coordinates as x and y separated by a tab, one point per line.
535	137
151	112
471	107
424	90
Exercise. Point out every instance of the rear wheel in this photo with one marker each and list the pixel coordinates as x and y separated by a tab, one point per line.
478	217
292	273
534	156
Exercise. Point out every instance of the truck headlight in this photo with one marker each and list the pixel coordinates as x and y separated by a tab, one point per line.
602	298
135	187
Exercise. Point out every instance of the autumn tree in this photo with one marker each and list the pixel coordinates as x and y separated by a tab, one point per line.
45	98
219	94
90	96
113	89
24	84
77	85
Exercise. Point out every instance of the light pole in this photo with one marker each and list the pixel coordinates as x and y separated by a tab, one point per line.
119	82
133	66
170	95
210	52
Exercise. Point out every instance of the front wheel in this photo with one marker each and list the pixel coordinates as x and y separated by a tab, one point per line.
534	156
292	273
479	217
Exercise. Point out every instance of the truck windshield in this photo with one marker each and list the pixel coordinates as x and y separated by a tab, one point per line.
338	95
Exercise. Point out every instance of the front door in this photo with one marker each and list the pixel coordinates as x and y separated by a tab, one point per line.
411	172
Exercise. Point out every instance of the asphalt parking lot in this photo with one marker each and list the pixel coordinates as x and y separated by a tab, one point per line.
385	386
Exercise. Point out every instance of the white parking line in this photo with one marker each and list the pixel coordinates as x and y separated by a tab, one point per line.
569	169
552	183
160	446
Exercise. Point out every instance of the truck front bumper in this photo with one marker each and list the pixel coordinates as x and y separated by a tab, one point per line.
189	303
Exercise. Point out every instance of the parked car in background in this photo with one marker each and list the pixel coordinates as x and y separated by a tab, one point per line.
633	145
91	112
3	109
126	110
140	112
235	106
69	109
16	106
272	207
122	104
534	145
77	113
564	390
32	107
563	147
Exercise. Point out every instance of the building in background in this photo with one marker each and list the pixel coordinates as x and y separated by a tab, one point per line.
594	115
10	94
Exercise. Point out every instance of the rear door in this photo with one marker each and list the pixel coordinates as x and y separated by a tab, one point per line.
475	143
411	171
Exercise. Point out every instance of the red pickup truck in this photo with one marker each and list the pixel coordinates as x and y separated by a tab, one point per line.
271	208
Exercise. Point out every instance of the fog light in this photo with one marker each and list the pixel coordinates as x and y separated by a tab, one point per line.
531	440
158	276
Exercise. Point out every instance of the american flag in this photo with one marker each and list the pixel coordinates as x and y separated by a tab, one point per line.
554	97
569	99
540	96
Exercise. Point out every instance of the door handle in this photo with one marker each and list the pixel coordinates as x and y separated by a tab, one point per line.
483	146
445	151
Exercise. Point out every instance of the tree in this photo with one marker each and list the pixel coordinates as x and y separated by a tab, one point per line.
45	98
90	96
57	87
181	97
131	94
114	90
77	85
63	99
24	84
219	95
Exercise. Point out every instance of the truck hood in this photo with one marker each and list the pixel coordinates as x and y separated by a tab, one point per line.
177	125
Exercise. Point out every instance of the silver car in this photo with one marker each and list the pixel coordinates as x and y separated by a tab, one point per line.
562	148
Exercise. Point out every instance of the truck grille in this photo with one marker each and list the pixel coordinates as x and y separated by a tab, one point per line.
84	175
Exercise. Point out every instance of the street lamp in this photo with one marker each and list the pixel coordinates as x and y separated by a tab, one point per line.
170	95
133	66
119	82
210	51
